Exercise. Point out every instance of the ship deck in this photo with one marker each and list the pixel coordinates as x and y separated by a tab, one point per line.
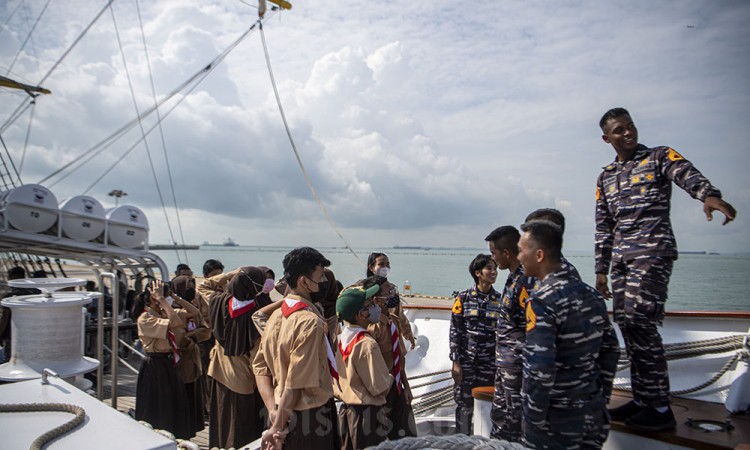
684	435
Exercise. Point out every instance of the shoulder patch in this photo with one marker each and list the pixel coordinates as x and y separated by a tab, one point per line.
522	297
457	306
673	155
598	193
530	317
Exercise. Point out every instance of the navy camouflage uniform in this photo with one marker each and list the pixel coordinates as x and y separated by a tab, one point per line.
510	332
570	359
634	235
472	344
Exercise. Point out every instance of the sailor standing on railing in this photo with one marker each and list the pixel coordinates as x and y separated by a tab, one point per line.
634	235
571	349
509	334
472	338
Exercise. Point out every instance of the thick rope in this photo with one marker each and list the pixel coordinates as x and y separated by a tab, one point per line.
453	442
39	442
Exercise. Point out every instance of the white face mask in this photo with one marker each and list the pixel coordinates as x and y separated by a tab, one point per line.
374	313
169	300
383	272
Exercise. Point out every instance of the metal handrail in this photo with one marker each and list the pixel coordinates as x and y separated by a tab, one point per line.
115	334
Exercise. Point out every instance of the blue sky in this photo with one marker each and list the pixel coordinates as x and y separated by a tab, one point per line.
420	123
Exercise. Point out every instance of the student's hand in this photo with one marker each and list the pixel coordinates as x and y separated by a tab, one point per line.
457	372
602	285
711	204
413	344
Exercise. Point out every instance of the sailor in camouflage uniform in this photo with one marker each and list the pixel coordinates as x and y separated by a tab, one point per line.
510	334
634	235
571	350
556	217
472	338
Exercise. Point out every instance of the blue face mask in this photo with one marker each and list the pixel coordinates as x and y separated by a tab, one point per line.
383	272
374	311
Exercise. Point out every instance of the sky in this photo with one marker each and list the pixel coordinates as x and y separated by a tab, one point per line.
425	123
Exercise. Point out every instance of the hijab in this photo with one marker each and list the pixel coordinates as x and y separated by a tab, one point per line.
237	335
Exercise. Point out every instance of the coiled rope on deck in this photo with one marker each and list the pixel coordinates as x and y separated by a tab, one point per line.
56	432
455	441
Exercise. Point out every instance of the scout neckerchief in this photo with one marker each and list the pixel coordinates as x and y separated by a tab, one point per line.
350	335
240	307
171	339
396	357
290	306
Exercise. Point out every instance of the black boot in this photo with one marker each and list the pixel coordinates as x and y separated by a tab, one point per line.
625	411
651	420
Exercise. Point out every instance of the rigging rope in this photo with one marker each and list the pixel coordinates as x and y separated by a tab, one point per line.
161	133
9	184
98	148
15	114
140	126
296	153
28	134
28	38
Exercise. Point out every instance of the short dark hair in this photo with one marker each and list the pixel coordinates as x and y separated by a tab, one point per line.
17	272
478	263
611	114
182	266
547	236
302	261
210	265
550	214
371	260
505	238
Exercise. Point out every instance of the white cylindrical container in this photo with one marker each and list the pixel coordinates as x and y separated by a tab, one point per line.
482	421
738	399
83	218
31	208
46	330
127	227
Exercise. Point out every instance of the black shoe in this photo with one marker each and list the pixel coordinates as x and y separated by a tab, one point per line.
625	411
652	420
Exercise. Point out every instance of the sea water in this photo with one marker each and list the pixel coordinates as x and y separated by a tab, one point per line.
700	282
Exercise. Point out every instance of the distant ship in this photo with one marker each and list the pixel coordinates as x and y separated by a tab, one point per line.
229	242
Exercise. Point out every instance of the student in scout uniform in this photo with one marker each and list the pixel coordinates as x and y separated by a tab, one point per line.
510	335
472	338
295	367
634	236
160	397
364	379
571	350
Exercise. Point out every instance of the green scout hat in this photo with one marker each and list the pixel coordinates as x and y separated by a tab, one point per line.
352	299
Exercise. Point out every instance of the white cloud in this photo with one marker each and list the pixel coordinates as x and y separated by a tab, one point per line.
424	122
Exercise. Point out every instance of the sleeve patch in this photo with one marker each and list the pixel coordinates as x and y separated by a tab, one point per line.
530	318
673	155
522	297
598	193
457	306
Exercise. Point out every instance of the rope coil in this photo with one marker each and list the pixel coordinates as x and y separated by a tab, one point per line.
56	432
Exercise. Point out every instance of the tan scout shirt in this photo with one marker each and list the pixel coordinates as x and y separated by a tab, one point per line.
152	331
209	286
293	351
364	378
189	367
381	332
234	372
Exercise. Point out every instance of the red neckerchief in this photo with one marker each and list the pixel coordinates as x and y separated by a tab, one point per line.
349	338
240	307
290	306
396	358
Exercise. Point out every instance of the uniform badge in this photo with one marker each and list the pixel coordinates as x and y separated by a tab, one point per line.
457	306
673	155
636	179
598	193
530	318
522	297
